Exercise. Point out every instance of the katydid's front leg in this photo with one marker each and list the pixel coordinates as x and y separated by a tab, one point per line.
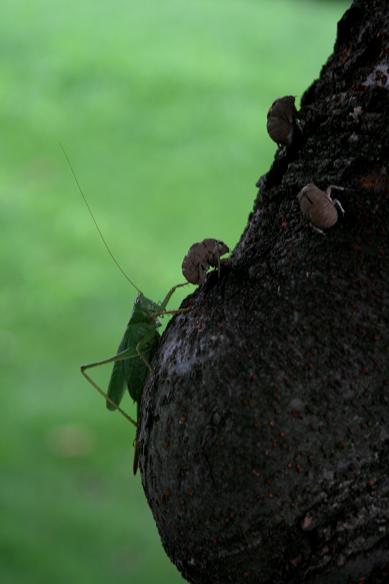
165	301
178	311
124	355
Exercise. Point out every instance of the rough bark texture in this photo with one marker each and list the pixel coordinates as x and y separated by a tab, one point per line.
264	433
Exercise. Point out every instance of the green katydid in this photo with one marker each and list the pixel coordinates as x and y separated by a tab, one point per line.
131	363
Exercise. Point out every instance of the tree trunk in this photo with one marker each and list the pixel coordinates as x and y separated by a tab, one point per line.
264	434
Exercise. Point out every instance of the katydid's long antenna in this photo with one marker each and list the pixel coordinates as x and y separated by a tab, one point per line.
95	222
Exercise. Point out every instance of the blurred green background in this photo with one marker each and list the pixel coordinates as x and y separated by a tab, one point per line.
162	108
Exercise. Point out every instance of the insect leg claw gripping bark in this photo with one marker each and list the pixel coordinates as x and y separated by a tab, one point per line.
336	201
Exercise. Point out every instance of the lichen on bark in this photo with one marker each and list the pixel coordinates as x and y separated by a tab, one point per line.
264	428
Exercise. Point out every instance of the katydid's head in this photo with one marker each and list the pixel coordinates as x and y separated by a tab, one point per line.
144	309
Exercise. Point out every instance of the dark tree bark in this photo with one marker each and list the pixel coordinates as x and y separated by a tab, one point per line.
264	435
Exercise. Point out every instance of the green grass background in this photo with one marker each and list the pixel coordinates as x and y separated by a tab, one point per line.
162	109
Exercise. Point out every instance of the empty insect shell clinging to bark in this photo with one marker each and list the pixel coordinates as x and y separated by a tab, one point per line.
318	207
281	120
200	257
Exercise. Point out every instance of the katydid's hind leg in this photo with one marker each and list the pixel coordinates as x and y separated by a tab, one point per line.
106	397
122	356
119	357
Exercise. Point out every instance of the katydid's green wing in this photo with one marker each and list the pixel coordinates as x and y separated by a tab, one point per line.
116	385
